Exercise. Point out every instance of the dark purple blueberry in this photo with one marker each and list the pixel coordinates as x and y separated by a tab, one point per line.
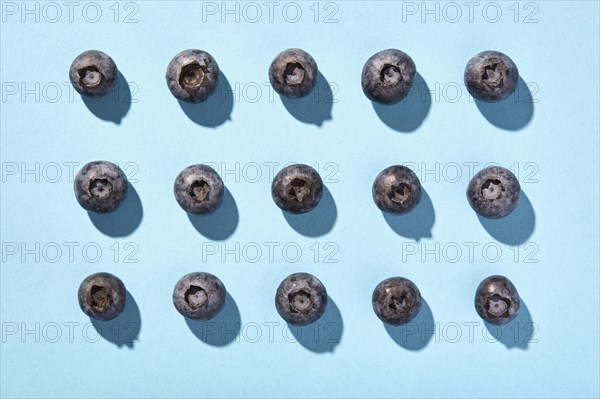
301	299
93	73
493	192
497	300
397	190
388	76
102	296
199	296
396	300
192	76
491	76
293	73
199	190
100	187
297	188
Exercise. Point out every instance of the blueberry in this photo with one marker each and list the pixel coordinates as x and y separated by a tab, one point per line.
199	296
397	190
199	190
102	296
293	73
396	300
100	187
93	73
497	300
192	76
297	188
301	299
388	76
493	192
491	76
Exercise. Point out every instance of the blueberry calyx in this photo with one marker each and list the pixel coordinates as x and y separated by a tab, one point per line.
492	189
494	73
300	302
101	298
400	193
191	76
90	76
294	73
299	190
199	190
196	296
101	188
496	306
391	75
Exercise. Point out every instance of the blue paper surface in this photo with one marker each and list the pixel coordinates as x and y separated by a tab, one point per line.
547	133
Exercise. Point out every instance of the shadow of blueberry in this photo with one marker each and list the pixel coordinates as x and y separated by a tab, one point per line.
512	113
324	334
124	220
416	334
221	224
221	330
317	222
315	108
216	110
124	329
407	115
416	224
519	333
514	229
115	105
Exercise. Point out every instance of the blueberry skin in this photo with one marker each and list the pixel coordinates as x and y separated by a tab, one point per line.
493	192
199	190
293	73
388	76
297	188
192	76
396	300
497	300
102	296
199	296
301	299
100	187
396	190
491	76
93	73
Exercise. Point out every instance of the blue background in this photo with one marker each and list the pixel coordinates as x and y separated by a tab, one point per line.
547	133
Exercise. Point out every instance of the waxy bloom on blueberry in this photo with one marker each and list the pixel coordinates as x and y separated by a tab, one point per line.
297	188
396	300
199	190
301	299
497	300
192	76
293	73
397	190
199	296
493	192
491	76
102	296
388	76
93	73
100	187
